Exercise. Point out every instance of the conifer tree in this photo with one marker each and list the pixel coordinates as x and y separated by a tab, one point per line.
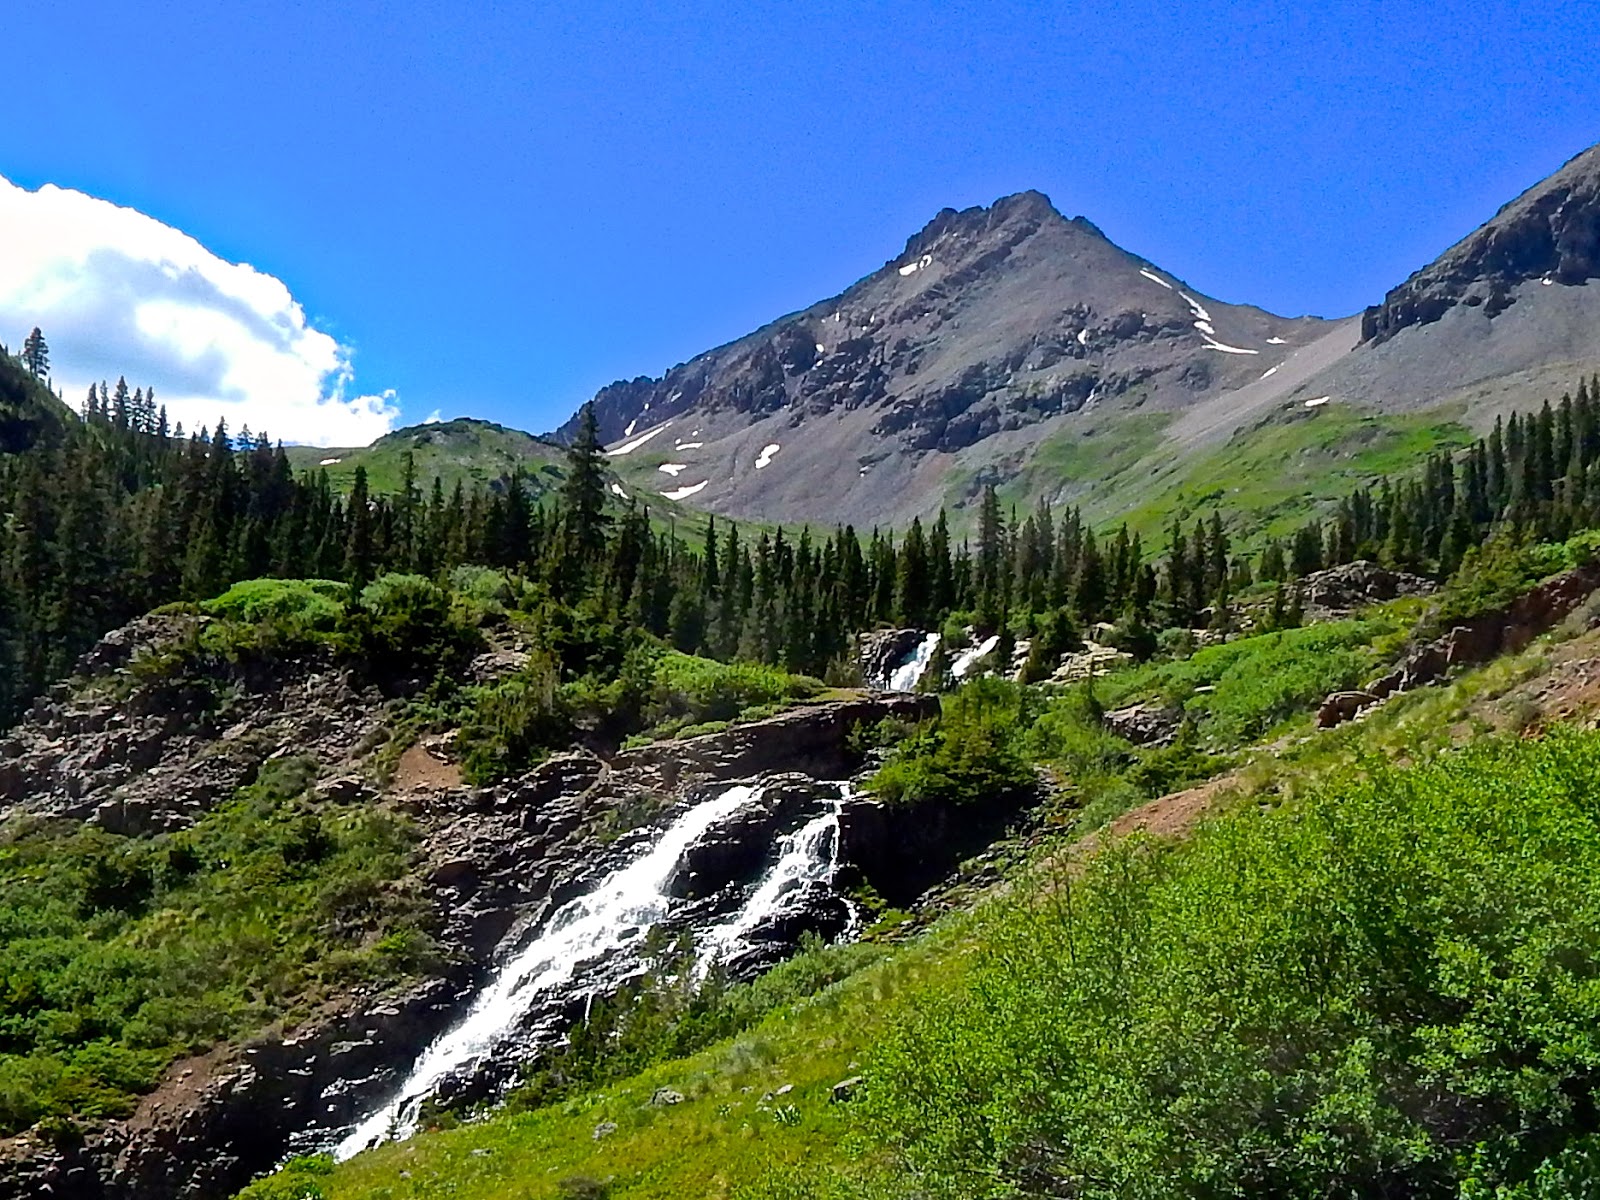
583	499
36	354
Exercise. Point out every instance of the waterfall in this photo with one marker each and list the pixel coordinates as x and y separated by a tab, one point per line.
968	658
613	916
904	678
806	859
617	911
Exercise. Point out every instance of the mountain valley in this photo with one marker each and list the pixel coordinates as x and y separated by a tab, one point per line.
1020	727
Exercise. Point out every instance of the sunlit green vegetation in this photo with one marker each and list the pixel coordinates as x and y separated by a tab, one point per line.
118	954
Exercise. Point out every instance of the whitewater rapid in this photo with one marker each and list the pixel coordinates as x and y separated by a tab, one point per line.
617	912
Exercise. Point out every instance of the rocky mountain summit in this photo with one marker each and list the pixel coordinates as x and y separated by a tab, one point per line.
1550	234
991	321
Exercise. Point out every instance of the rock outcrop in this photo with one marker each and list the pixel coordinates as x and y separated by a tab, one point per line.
1551	234
1343	589
1147	724
1475	641
904	850
140	751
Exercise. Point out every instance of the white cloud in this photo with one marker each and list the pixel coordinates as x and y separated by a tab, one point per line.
433	418
119	293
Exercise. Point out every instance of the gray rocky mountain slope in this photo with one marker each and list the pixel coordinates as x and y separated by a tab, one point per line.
997	321
1002	340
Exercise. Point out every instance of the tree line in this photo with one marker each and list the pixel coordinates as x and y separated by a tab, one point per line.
115	514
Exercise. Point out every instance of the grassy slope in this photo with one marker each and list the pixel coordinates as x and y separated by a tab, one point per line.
463	451
1269	478
723	1138
726	1133
1283	471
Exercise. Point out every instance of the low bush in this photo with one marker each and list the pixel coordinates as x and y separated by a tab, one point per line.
1238	691
972	754
312	605
1389	988
119	954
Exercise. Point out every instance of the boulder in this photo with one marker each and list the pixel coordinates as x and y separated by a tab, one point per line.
1145	724
1341	706
844	1090
345	789
1353	585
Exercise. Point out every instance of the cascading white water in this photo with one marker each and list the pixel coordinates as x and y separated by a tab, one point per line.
615	912
807	858
968	658
905	677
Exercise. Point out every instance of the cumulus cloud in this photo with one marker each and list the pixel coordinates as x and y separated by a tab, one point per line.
119	293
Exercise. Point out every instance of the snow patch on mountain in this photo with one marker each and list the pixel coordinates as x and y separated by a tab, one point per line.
629	447
1213	344
684	493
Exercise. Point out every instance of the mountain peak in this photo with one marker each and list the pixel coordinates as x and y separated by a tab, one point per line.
1550	233
988	332
1020	211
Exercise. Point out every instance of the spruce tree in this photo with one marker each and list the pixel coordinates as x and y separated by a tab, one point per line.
36	354
583	500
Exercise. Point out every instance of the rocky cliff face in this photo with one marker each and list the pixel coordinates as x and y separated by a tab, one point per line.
139	755
1549	234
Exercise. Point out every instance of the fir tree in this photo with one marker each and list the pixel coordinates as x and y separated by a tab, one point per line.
36	354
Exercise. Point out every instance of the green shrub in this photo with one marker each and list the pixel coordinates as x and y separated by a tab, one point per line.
700	689
404	622
514	723
300	605
1391	987
485	586
298	1179
119	954
972	754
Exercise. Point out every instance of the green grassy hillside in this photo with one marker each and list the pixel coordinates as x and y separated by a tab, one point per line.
464	450
1344	977
1269	477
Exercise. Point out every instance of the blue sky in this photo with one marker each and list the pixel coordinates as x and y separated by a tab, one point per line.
494	209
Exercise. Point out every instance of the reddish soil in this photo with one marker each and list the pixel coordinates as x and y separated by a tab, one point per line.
419	768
